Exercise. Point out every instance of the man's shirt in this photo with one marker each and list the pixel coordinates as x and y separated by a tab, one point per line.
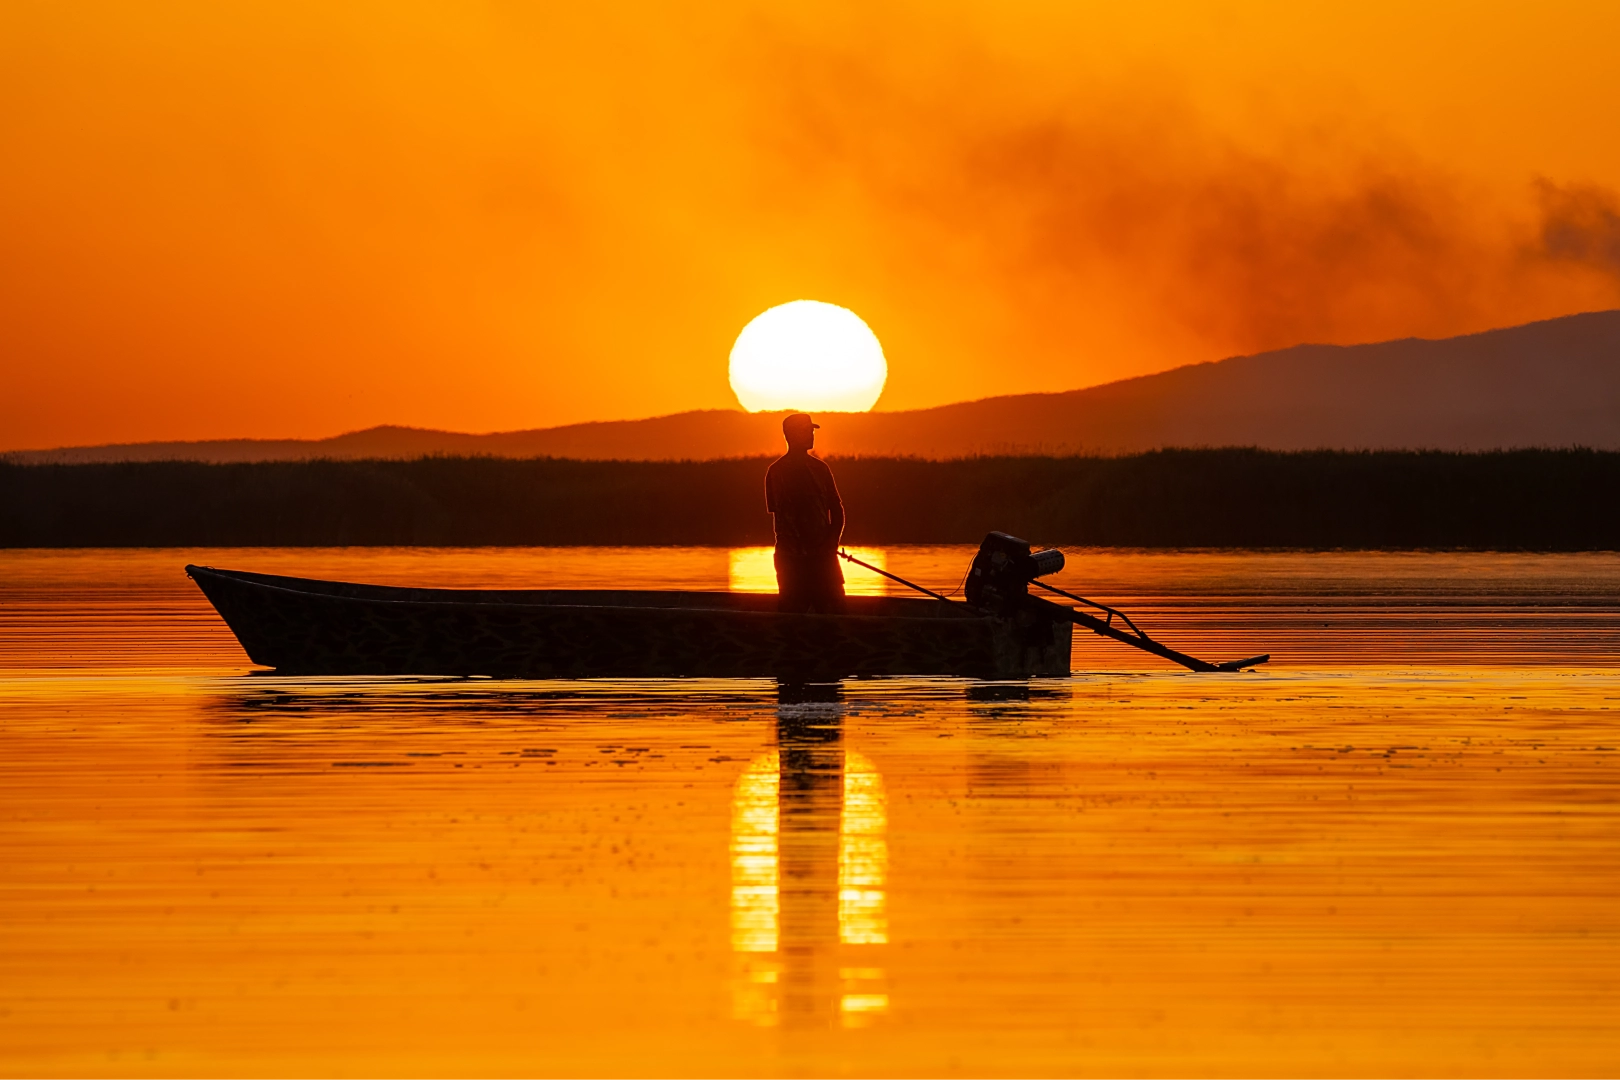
800	493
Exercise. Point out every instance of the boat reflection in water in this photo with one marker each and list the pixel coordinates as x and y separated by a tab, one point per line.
809	868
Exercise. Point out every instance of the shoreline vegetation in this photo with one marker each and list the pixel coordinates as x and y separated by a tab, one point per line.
1517	500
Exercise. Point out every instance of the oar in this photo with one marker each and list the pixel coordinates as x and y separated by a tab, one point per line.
1139	639
842	554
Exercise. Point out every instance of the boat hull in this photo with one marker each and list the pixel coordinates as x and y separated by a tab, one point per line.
307	627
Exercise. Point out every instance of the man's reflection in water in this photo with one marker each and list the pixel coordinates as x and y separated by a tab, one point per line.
809	869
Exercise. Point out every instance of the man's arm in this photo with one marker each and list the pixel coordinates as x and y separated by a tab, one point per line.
835	512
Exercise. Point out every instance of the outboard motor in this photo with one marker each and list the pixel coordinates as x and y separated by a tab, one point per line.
1002	570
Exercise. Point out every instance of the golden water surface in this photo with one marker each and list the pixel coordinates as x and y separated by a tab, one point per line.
1396	851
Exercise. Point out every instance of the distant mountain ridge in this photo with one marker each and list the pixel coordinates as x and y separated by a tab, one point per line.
1545	384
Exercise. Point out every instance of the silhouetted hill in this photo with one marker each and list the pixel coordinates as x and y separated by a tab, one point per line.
701	435
1547	384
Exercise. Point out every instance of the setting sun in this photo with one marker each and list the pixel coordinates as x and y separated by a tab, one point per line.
808	355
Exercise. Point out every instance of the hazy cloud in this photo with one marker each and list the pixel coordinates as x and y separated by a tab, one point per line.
1117	218
1581	223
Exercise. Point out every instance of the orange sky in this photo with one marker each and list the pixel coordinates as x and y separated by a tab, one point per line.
296	219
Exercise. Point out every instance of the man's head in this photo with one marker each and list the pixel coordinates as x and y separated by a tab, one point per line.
800	431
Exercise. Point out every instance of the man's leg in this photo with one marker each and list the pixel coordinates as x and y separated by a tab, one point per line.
792	593
828	584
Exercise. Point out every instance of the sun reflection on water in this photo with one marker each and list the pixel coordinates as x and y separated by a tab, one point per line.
806	914
754	862
863	855
753	569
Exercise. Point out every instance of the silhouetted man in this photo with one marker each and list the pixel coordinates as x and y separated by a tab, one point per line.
800	492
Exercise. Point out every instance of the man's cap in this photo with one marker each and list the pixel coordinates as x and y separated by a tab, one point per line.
798	419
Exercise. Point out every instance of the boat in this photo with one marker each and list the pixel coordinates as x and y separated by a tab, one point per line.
302	626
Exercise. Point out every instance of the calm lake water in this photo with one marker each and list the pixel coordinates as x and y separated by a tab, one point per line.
1394	851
